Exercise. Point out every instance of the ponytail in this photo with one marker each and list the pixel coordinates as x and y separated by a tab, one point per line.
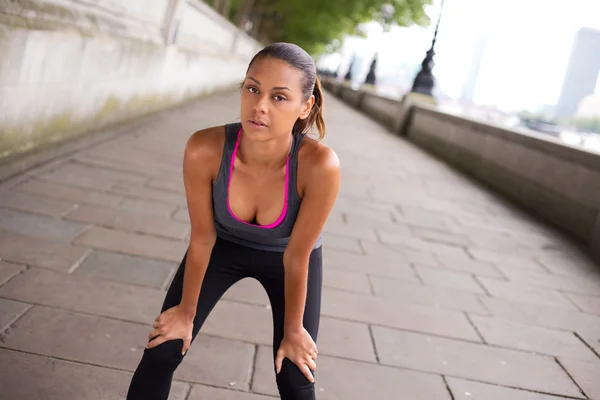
316	114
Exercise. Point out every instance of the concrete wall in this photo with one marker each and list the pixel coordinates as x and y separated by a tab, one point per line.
71	65
559	184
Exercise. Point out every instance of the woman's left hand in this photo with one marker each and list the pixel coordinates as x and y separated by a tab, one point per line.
300	348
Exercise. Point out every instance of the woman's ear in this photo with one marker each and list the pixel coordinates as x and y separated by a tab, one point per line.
307	107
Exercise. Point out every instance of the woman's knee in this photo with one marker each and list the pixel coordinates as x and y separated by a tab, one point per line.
166	355
292	383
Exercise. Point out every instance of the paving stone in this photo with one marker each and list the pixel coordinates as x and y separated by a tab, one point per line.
591	338
468	265
156	208
501	258
574	283
361	222
85	294
200	392
134	244
527	294
348	205
40	253
248	290
346	280
38	226
409	242
449	279
182	215
565	264
497	242
424	220
144	193
588	304
126	159
121	155
438	250
218	362
350	232
372	265
470	390
126	269
435	235
34	377
77	337
545	317
254	324
71	193
34	204
119	344
10	311
457	358
129	221
345	339
168	184
8	270
396	314
353	380
239	321
426	295
532	339
585	374
96	178
356	213
411	255
331	241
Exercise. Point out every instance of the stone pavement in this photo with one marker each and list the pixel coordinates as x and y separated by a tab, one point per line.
434	287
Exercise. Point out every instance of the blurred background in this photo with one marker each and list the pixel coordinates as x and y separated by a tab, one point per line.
530	64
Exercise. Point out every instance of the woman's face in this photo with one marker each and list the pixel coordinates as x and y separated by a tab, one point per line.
272	99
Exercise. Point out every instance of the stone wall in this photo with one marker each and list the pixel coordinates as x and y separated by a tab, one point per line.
69	66
558	183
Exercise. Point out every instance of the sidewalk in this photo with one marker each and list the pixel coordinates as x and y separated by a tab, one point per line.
434	287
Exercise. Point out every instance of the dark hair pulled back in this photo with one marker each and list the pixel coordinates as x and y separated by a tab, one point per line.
296	57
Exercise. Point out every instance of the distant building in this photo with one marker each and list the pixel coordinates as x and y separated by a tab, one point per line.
582	72
470	84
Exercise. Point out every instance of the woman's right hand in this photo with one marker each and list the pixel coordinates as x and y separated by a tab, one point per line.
170	325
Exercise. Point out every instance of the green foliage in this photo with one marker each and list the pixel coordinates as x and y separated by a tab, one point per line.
313	24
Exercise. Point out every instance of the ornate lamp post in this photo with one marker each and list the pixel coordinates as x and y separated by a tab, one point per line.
424	80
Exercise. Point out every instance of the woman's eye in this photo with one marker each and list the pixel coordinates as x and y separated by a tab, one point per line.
252	89
279	98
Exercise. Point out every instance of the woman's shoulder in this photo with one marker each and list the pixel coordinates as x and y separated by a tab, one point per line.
315	154
206	146
206	142
318	166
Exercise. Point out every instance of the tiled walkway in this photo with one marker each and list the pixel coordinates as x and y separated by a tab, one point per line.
434	287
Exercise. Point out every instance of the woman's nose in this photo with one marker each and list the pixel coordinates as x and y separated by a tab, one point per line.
261	105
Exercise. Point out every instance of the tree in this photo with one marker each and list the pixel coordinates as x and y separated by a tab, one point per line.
313	24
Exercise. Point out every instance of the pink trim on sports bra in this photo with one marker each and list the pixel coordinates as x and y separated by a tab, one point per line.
285	196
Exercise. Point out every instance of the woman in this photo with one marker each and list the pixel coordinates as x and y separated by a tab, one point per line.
259	193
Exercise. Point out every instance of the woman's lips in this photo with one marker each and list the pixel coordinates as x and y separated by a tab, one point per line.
258	124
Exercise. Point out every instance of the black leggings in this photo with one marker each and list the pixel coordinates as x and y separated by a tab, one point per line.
230	262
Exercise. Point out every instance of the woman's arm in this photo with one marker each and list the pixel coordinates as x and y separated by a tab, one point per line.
322	177
320	193
199	169
198	175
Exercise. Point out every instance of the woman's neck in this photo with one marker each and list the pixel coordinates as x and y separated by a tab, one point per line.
266	154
